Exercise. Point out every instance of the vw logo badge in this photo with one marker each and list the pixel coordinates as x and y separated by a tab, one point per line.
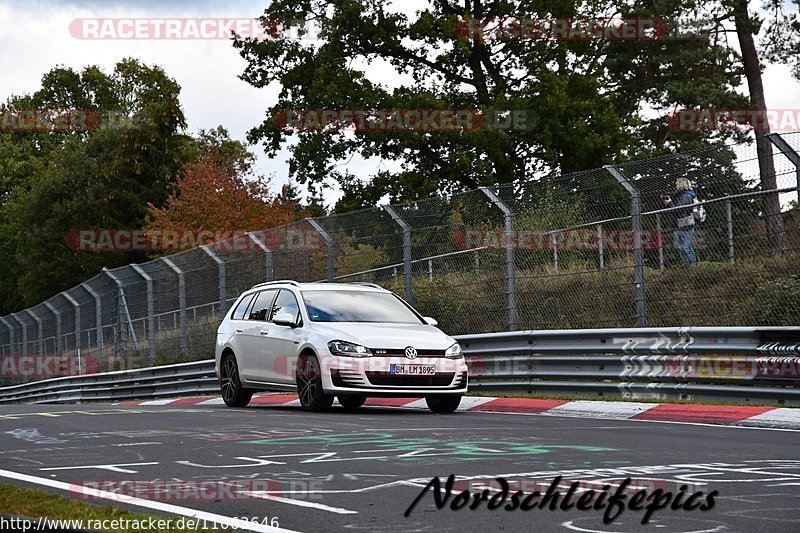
411	352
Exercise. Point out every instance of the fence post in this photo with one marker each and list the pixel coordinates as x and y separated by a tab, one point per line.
554	245
729	220
511	272
792	156
77	323
329	241
638	259
151	320
267	253
24	333
55	312
98	311
181	303
223	288
660	237
600	250
10	336
408	292
123	315
40	340
120	335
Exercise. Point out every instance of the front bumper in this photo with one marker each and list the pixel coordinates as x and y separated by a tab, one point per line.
373	376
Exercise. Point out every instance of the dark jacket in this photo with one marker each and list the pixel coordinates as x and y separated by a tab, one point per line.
683	198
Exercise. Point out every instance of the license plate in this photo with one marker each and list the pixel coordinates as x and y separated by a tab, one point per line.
412	370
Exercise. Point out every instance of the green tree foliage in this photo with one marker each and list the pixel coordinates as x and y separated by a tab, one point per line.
781	43
100	176
588	102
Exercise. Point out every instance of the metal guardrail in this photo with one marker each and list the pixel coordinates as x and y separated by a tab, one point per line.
739	364
152	382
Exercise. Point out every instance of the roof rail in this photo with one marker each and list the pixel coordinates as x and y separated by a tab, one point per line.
366	283
285	281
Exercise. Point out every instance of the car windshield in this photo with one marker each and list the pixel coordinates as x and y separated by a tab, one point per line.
357	306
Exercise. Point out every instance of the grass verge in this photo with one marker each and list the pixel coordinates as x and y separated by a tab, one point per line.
33	503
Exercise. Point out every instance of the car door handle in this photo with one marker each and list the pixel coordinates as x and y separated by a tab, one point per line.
238	331
264	332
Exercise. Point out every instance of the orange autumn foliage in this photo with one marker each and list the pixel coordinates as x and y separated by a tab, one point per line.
212	196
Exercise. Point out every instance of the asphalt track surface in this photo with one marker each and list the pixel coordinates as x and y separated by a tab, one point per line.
360	471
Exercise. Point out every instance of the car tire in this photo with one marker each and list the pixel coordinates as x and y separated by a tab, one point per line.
309	384
351	402
233	393
443	403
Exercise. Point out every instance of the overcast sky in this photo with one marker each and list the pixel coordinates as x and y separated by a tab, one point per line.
35	37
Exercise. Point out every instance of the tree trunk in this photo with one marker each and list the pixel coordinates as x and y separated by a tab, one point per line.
776	234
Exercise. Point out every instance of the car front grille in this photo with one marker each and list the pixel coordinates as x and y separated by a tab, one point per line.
401	352
390	380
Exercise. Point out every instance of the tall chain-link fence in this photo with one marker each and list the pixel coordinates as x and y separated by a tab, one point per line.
587	250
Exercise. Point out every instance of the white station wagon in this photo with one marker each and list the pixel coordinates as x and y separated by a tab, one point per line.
323	340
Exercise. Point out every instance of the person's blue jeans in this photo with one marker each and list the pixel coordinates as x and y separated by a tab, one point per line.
683	241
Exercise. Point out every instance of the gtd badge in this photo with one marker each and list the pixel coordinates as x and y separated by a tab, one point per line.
411	352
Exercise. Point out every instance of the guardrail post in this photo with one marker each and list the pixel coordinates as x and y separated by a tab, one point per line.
56	313
77	324
181	303
24	333
329	241
729	220
10	336
151	320
223	290
511	275
40	340
792	156
636	226
98	310
408	292
267	253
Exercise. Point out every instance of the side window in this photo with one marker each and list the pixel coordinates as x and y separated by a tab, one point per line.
286	303
261	306
238	313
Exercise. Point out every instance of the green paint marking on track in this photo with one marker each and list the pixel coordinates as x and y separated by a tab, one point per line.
457	450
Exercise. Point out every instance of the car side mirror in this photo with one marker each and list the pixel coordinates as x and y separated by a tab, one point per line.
430	321
284	319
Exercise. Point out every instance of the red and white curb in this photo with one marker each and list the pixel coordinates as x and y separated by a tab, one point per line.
748	416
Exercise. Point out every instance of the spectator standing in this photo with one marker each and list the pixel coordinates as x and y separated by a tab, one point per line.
683	218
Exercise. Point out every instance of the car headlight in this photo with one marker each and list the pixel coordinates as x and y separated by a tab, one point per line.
454	352
348	349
